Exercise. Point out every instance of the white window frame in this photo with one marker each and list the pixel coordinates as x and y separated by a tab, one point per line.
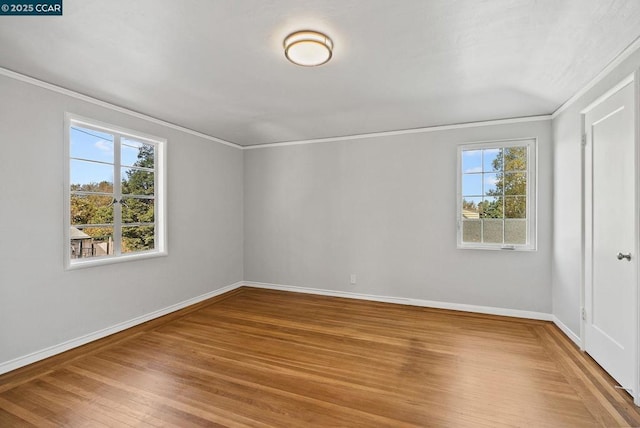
160	240
531	212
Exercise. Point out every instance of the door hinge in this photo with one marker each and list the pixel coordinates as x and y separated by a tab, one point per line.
583	313
584	140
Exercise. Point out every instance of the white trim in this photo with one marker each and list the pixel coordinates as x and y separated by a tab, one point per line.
403	132
100	126
33	357
636	134
407	301
583	230
567	331
601	98
160	179
110	260
626	53
51	87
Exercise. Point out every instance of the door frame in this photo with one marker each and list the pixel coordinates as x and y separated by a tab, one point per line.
633	79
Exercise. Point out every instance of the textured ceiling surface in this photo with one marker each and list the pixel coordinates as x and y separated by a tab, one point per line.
217	66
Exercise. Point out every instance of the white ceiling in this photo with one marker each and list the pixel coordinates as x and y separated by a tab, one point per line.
217	66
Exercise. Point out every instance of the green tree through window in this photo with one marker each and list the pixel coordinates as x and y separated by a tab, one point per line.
139	209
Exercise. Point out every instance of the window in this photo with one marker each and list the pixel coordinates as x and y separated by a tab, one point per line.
114	194
496	195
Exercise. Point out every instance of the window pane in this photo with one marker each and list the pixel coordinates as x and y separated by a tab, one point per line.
471	207
137	182
137	238
90	144
490	182
491	160
136	153
91	209
471	161
515	206
515	232
499	212
91	242
492	231
136	210
491	207
91	176
515	183
471	230
472	185
515	159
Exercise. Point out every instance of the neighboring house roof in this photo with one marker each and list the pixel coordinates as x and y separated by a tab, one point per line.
470	214
78	234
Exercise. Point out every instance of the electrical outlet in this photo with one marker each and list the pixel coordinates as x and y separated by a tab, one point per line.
352	280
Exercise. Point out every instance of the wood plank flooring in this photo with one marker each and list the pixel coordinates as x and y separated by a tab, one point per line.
266	358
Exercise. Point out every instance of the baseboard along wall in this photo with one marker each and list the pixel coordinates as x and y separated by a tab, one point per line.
407	301
83	340
490	310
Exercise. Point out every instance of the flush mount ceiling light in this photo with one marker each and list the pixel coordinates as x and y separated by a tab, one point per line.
308	48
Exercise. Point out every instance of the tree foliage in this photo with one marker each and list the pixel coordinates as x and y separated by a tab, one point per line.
507	198
138	210
93	208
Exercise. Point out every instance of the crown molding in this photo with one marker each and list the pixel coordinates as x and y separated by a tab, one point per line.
405	131
51	87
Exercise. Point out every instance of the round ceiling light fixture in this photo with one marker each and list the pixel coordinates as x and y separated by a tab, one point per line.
308	48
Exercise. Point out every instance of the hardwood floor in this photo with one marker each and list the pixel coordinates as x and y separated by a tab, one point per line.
265	358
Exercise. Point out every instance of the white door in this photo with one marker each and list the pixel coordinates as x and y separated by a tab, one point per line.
610	326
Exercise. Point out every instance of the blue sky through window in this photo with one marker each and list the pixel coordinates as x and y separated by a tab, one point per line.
488	156
478	176
91	145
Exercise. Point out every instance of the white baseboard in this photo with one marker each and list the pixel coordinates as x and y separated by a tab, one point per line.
568	332
82	340
406	301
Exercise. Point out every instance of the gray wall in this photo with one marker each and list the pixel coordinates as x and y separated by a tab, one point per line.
41	304
384	208
567	202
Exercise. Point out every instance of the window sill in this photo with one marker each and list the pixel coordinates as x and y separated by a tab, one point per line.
506	249
102	261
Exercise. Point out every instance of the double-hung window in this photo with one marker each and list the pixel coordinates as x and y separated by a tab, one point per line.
114	193
496	195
